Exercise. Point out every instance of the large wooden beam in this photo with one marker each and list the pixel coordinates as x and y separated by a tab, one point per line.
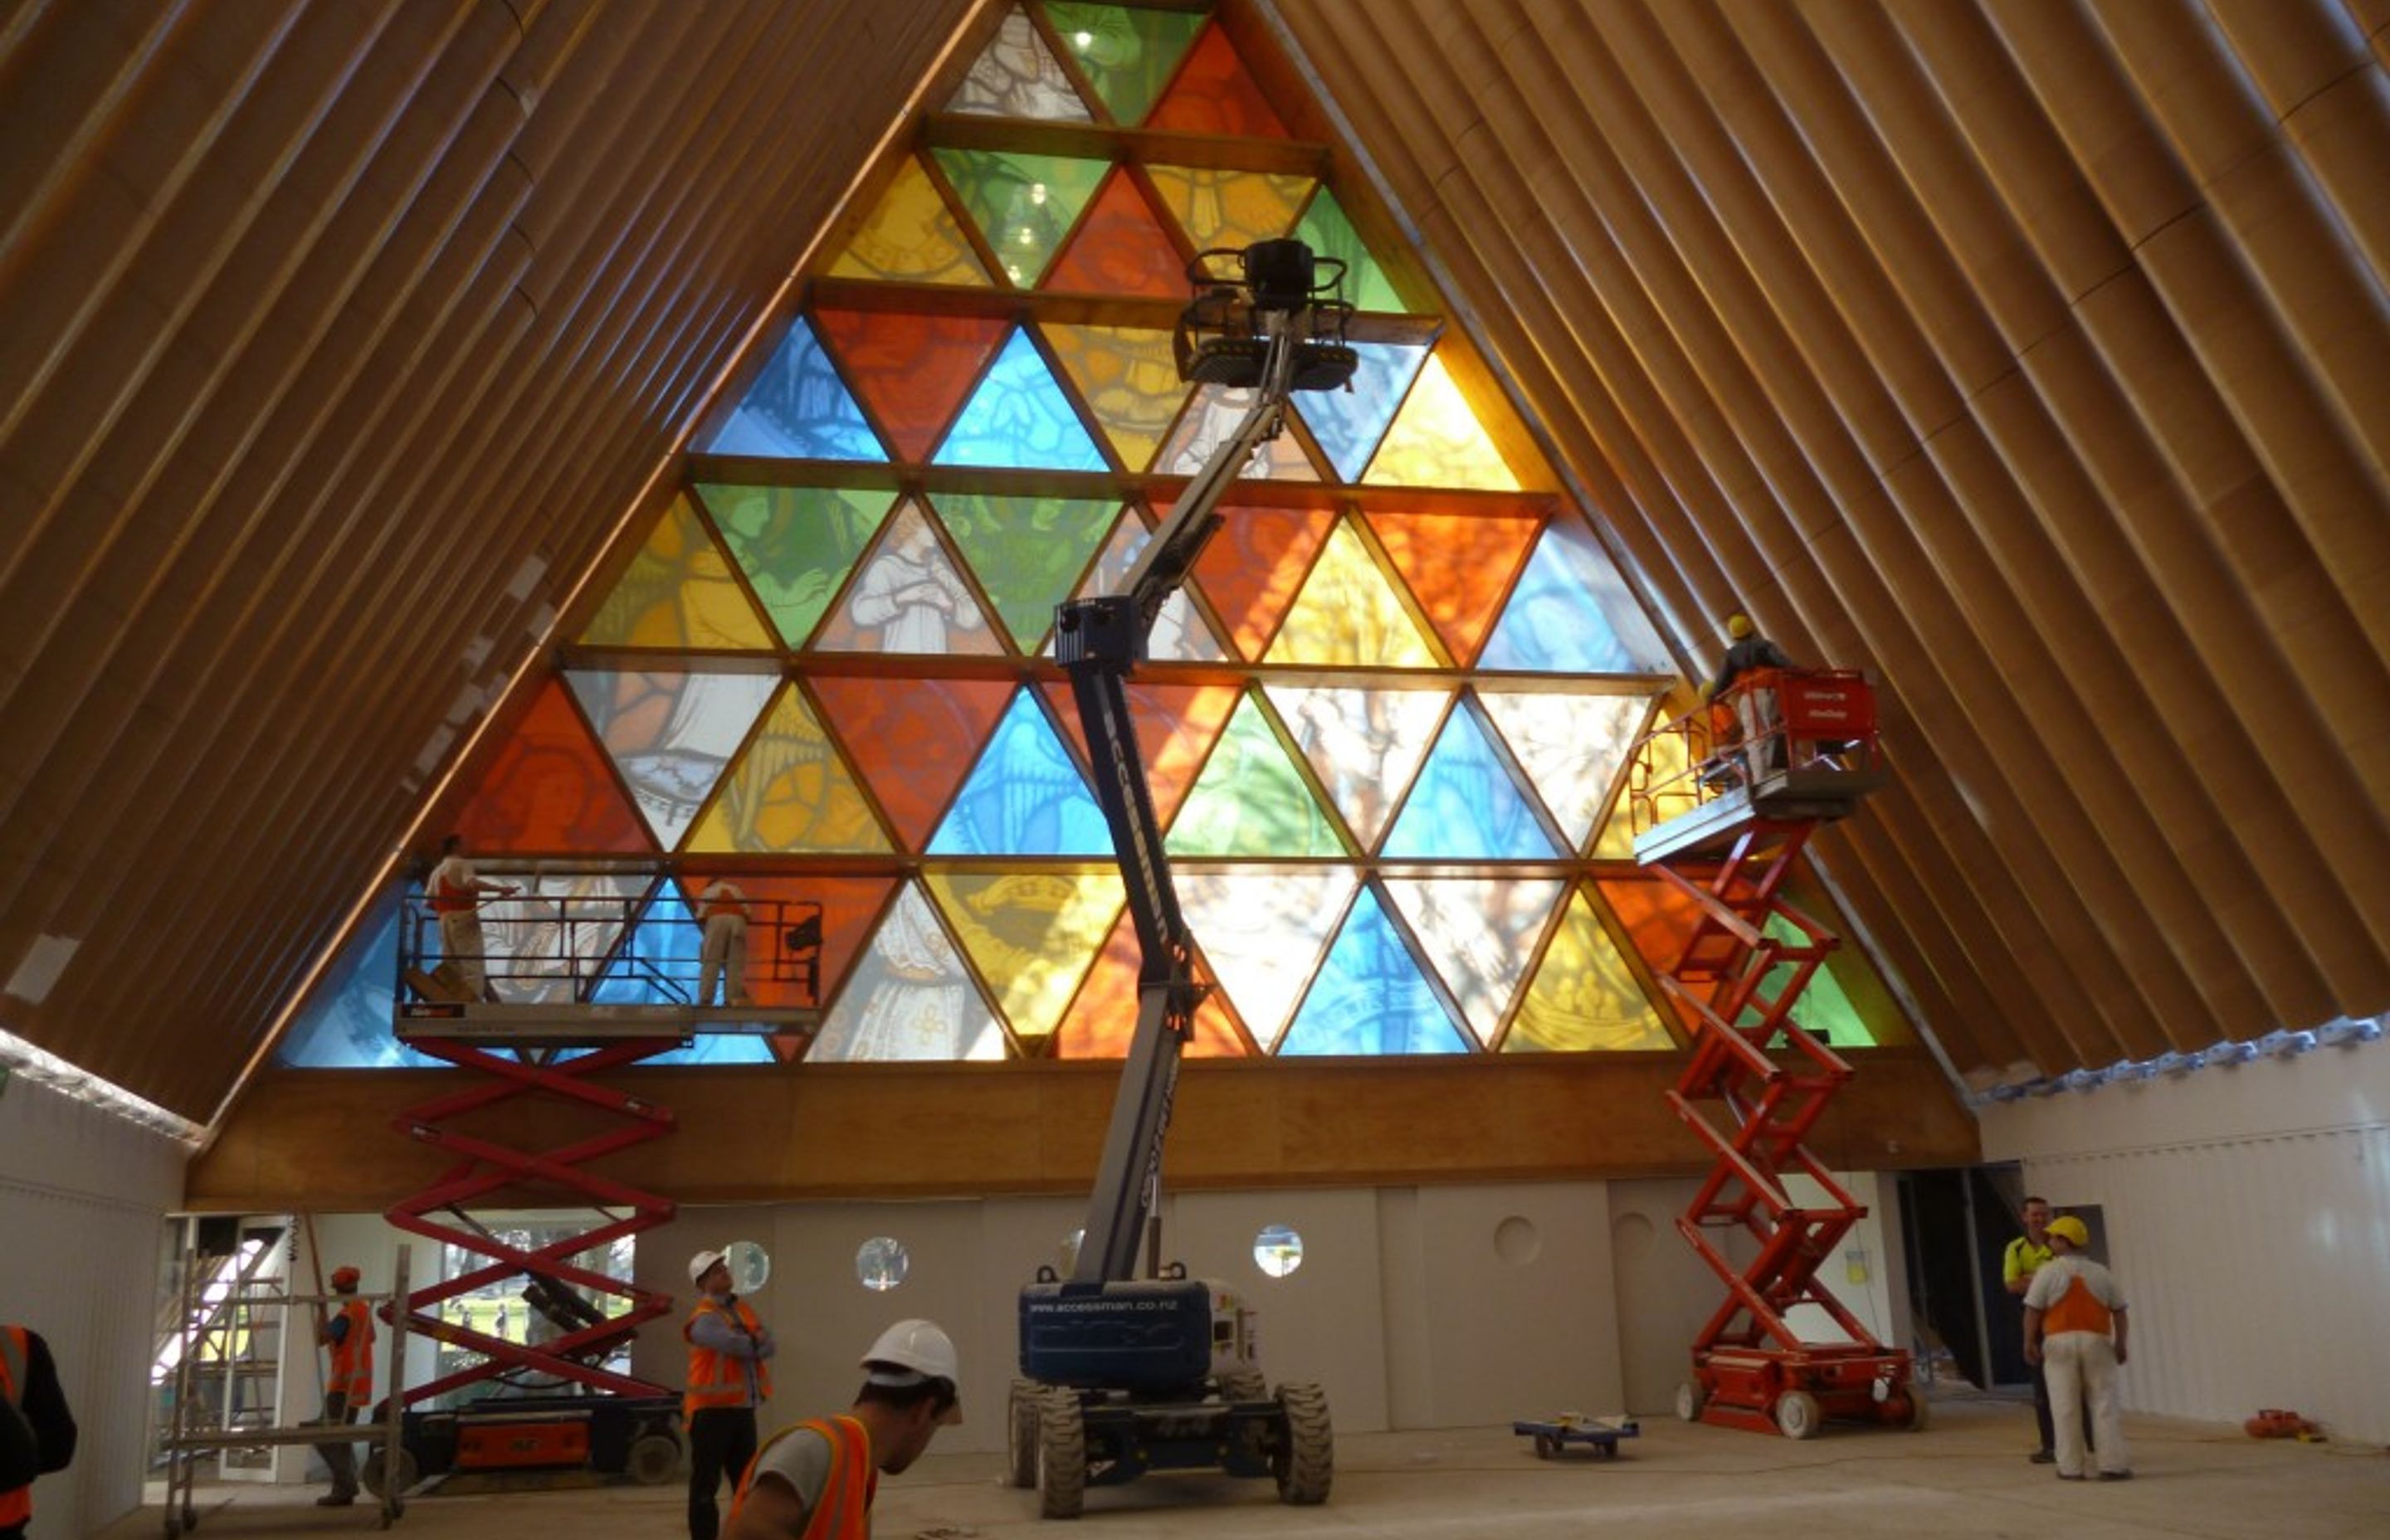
329	1140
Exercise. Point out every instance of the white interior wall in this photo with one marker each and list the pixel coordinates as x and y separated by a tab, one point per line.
2248	1219
83	1195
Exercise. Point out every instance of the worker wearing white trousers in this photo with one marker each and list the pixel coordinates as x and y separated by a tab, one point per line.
721	908
2074	1326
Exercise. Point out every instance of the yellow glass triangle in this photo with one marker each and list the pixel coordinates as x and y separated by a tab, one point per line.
1664	766
1349	615
680	594
1437	442
1031	935
1584	997
1230	208
1129	378
791	791
912	237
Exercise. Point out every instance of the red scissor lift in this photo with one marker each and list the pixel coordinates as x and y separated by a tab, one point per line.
1723	801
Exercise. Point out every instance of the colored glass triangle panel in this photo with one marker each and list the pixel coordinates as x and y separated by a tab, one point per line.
796	544
802	931
665	950
1554	622
547	943
346	1021
1251	800
1128	53
1017	76
1658	920
1349	423
1120	247
912	745
908	998
1213	416
1479	933
1102	1019
1025	797
1573	748
1263	933
1365	745
791	791
1328	230
1176	726
680	594
1024	204
1667	767
910	598
1584	998
912	371
1213	95
1020	419
912	236
1465	806
550	791
1822	1009
798	409
1033	936
1371	997
1255	566
1437	442
671	734
1458	565
1026	552
1348	615
1181	633
1129	380
1229	208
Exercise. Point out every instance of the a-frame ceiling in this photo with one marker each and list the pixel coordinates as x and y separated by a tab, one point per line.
2029	355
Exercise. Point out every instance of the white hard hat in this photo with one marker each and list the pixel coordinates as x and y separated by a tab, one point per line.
911	1351
703	1263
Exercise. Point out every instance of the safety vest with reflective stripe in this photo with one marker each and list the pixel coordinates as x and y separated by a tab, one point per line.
2078	1309
16	1504
717	1378
353	1356
843	1509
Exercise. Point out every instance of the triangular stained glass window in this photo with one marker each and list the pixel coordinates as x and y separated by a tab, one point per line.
1554	622
1457	566
1128	53
1020	419
1584	998
1129	380
1017	76
1180	634
1263	933
1572	747
798	409
550	791
1229	208
912	371
1328	230
912	236
909	596
1121	247
1213	416
796	544
802	931
1348	424
1465	806
671	734
1822	1009
1665	780
660	968
1025	797
1371	997
346	1022
1102	1019
912	746
1026	551
1348	615
1213	95
1256	565
1251	800
680	594
1658	919
1437	441
1031	935
791	791
1365	745
548	943
1479	933
908	997
1024	204
1176	726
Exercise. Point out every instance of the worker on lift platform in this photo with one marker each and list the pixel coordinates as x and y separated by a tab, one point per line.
1753	717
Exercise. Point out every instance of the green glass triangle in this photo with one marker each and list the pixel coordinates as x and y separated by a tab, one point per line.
1251	800
1025	205
1326	230
1028	552
1128	53
1823	1010
796	544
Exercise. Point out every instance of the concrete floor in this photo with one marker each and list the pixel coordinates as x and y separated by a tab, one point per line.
1966	1477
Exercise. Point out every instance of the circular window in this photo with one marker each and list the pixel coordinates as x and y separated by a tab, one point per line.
880	1263
1277	1249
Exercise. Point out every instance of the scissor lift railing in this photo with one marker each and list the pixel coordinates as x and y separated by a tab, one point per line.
1722	815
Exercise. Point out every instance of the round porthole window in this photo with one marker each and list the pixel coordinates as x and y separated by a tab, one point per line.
881	1262
1277	1249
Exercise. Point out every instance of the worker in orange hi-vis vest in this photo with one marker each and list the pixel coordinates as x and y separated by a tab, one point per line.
348	1386
455	891
815	1479
37	1433
729	1377
1758	714
2074	1326
722	909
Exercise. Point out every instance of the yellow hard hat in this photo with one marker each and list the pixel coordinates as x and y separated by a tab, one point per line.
1738	625
2077	1234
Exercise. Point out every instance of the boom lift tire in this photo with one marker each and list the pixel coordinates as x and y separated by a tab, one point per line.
1306	1460
1021	1435
1244	1385
1062	1455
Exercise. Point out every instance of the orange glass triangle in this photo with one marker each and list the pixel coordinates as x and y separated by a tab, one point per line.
912	372
1121	247
550	788
1458	567
1254	567
1102	1019
848	904
912	743
1214	94
1659	920
1176	726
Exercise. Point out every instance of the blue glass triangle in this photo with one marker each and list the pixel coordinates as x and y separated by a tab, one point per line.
1349	423
1554	623
659	967
798	409
1465	806
1025	796
346	1024
1019	418
1371	997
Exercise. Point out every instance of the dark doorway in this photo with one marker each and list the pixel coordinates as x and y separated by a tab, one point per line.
1959	1223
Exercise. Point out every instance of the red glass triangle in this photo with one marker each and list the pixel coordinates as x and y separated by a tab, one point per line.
912	741
1121	247
849	907
1254	567
1458	566
1176	726
1103	1018
1213	95
912	372
551	789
